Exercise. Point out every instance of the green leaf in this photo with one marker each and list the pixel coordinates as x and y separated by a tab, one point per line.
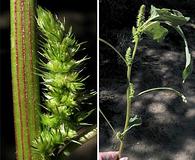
174	19
153	12
155	31
189	63
184	99
133	122
172	16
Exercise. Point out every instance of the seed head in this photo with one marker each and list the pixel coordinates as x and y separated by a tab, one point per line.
141	16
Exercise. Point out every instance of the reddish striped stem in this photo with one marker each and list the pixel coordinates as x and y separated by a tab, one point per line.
25	82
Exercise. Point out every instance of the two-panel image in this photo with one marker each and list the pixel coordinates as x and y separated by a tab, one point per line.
97	80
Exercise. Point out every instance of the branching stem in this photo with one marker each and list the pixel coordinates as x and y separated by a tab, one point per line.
129	99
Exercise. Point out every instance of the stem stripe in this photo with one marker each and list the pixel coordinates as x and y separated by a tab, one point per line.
31	63
18	81
24	82
31	66
24	76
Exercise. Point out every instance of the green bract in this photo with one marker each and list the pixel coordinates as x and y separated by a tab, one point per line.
63	88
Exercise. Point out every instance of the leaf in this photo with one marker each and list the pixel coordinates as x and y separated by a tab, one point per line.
133	122
189	63
175	19
153	12
155	31
183	97
172	16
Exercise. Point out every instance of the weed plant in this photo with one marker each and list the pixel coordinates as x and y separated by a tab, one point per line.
155	27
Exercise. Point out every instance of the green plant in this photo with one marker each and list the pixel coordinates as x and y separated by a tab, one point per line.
154	27
24	81
56	129
64	91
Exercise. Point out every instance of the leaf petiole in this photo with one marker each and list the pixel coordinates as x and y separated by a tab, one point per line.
162	89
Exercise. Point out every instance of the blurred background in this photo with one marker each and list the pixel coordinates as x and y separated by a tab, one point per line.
168	129
83	19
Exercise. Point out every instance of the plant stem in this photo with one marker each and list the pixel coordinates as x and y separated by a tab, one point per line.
111	46
113	130
25	82
128	98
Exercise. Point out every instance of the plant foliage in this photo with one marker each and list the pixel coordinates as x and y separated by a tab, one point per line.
154	29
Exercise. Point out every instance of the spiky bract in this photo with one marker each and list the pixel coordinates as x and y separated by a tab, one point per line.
63	85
